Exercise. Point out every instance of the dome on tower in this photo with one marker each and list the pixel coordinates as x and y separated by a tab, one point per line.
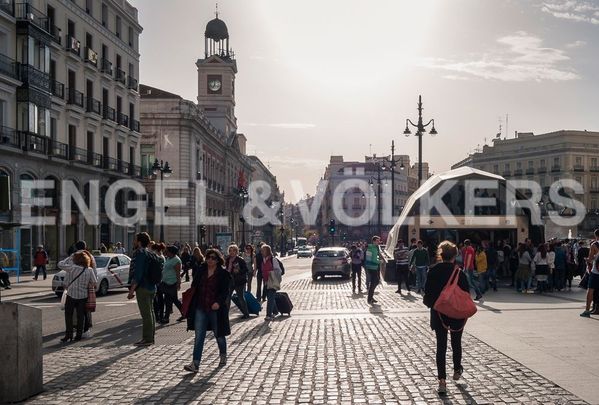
216	30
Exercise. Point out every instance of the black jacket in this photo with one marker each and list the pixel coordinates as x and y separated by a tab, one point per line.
239	271
224	281
436	279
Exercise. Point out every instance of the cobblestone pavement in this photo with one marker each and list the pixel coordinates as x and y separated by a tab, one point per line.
333	349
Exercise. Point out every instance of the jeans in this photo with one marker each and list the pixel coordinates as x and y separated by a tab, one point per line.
456	348
560	278
271	304
145	299
356	270
37	271
484	281
374	281
202	320
77	305
165	298
260	293
403	274
420	277
472	276
491	278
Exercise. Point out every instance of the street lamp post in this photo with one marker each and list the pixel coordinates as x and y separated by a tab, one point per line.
420	130
282	239
392	163
165	171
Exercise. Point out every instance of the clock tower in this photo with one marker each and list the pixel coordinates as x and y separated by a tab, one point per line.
216	78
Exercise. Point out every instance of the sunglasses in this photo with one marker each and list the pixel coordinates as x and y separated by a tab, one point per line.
211	258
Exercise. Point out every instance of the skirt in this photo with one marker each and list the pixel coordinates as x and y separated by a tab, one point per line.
523	272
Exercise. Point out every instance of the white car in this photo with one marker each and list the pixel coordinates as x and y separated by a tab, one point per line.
112	271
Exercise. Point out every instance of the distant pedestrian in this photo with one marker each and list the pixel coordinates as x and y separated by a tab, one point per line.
272	271
186	262
249	256
40	260
561	264
4	276
541	261
372	262
260	293
492	266
524	271
208	309
119	249
79	278
169	286
143	288
103	248
197	259
593	284
469	256
402	264
420	261
357	258
581	256
481	268
438	276
236	266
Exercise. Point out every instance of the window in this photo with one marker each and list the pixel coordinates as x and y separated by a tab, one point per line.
132	155
518	165
124	260
542	162
53	128
118	26
147	159
2	113
579	160
556	161
131	37
578	179
33	118
89	41
89	7
531	164
594	204
104	15
594	182
496	169
593	162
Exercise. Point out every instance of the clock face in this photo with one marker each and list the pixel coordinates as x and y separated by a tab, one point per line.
214	85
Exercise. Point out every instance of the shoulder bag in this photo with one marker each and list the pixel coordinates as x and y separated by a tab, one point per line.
63	298
453	301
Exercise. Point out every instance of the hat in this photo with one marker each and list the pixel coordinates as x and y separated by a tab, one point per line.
40	246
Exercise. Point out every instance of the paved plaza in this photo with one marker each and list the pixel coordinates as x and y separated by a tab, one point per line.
333	349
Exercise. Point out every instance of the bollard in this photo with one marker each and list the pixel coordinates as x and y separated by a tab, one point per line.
21	356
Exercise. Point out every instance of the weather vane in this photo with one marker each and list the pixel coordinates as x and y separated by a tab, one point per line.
216	12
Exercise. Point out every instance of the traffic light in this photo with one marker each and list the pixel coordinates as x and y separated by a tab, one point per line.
203	231
332	227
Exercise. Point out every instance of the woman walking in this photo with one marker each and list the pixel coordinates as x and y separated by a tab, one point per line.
208	309
236	266
197	259
271	273
186	261
168	287
438	277
250	261
79	278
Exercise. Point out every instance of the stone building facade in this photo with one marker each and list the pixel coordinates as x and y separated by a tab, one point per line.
547	158
69	107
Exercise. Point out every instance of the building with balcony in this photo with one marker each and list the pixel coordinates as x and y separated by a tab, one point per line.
546	159
200	142
69	109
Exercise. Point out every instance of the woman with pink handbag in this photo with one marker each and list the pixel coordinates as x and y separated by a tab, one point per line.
447	292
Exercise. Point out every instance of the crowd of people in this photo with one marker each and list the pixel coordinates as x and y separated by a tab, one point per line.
156	273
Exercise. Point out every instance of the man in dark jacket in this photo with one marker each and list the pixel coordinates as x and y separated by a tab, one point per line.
237	267
260	293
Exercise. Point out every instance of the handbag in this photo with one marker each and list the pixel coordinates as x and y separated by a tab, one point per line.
186	299
453	301
90	304
63	298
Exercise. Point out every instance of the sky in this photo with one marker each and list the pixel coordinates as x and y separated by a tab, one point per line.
339	77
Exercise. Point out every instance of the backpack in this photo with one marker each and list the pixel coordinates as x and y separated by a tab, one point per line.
281	266
154	270
357	255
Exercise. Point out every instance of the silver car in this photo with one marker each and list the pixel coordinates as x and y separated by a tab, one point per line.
331	261
112	270
304	251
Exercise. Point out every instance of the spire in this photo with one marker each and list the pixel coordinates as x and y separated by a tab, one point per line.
216	12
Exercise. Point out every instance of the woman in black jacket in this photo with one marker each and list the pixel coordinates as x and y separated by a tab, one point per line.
236	266
208	309
437	278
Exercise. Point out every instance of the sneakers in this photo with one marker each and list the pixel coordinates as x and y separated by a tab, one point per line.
478	297
586	314
269	318
192	368
457	374
223	360
88	334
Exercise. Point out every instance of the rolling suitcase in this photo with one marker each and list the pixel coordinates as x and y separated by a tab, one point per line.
283	302
254	307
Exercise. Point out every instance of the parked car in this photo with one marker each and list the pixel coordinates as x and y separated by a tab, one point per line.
112	271
331	261
304	251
